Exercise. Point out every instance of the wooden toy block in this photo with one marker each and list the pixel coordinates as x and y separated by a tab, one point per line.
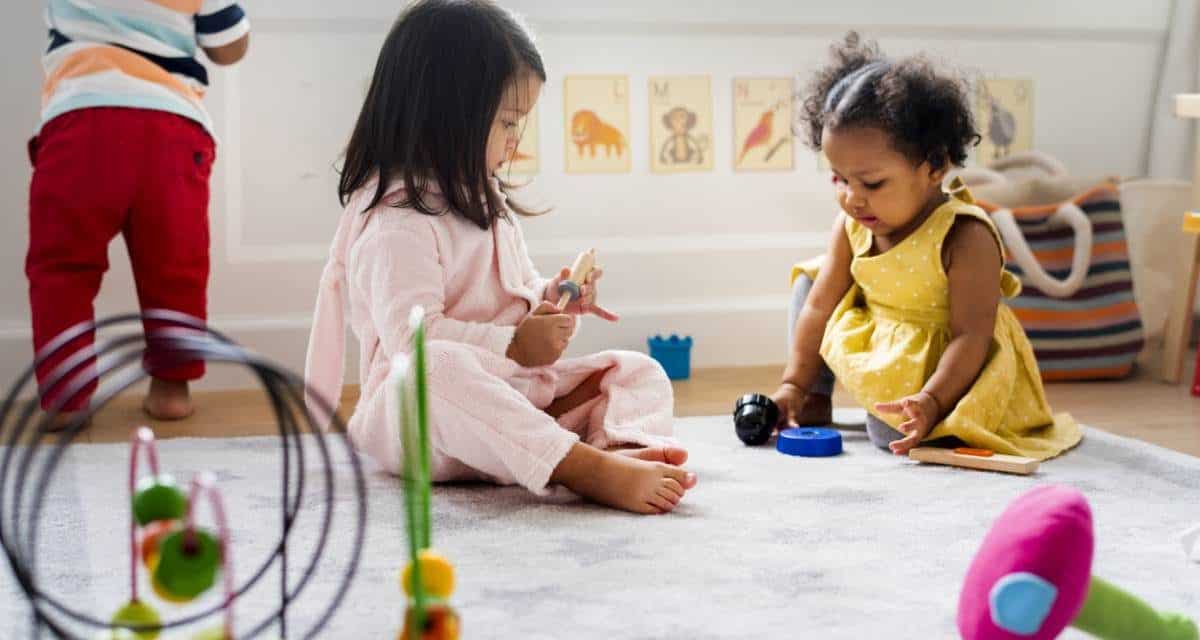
975	459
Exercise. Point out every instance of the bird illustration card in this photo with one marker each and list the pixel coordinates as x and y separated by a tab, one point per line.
680	123
762	124
524	159
597	123
1004	117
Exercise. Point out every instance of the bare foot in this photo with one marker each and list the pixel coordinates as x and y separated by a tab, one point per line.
817	410
670	455
588	389
168	400
623	481
64	420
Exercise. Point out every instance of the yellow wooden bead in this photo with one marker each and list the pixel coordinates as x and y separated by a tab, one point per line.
138	613
116	634
436	573
215	633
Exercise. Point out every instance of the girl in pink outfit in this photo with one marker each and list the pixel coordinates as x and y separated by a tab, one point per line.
427	223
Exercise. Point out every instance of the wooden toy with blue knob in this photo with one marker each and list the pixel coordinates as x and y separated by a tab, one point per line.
428	580
571	288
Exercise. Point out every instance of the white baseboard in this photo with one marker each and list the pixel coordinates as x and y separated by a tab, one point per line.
741	332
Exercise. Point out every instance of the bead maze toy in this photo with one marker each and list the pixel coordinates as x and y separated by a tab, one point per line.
428	579
1032	577
181	558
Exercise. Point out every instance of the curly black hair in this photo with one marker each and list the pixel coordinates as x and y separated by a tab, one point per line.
927	114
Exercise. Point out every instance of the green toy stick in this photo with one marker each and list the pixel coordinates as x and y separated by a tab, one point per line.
414	439
1111	613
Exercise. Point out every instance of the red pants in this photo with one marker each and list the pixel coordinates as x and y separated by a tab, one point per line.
103	171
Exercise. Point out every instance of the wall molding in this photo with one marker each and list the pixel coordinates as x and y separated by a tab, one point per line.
239	252
757	322
233	324
685	28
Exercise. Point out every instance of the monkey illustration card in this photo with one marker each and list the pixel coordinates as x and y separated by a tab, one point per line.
524	160
762	124
1004	117
597	124
680	123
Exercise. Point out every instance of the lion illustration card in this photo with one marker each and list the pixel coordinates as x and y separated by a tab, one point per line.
680	123
597	123
762	124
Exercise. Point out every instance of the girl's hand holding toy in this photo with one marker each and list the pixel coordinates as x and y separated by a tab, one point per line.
576	288
541	337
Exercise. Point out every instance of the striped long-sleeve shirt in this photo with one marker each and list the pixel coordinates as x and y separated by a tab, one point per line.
134	53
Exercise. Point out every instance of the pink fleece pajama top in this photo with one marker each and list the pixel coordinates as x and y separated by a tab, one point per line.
486	411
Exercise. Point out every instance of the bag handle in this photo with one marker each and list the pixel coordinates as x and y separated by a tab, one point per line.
1068	214
1035	159
974	177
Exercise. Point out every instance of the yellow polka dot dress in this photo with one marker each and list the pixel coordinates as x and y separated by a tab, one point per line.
885	338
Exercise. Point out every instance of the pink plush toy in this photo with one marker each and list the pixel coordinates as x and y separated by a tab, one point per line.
1032	577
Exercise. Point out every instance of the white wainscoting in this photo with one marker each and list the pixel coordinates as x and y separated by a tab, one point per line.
702	254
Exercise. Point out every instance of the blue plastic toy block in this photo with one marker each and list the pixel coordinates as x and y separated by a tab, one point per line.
674	354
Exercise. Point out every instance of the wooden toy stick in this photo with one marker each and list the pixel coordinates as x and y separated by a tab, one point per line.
975	459
569	289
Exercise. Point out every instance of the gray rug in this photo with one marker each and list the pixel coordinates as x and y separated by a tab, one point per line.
864	545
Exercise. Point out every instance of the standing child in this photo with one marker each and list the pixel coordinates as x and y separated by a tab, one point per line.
905	309
427	223
125	146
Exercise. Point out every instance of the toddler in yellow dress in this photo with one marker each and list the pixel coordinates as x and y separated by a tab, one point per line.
906	307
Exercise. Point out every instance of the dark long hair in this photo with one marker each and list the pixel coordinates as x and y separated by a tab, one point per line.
428	113
926	112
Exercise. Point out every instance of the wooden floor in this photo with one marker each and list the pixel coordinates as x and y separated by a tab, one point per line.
1140	407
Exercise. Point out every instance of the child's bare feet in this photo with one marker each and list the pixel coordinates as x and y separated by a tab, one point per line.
817	410
623	481
670	455
168	400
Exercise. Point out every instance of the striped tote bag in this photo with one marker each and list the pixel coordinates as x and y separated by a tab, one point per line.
1070	252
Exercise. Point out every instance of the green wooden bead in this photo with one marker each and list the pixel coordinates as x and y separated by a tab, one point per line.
187	564
158	498
167	596
136	613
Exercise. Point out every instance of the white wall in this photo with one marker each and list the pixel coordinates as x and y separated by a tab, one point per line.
705	254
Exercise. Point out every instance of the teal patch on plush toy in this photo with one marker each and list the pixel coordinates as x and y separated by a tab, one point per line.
1021	601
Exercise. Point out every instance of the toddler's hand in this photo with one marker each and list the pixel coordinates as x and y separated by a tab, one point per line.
922	411
541	337
790	400
586	302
